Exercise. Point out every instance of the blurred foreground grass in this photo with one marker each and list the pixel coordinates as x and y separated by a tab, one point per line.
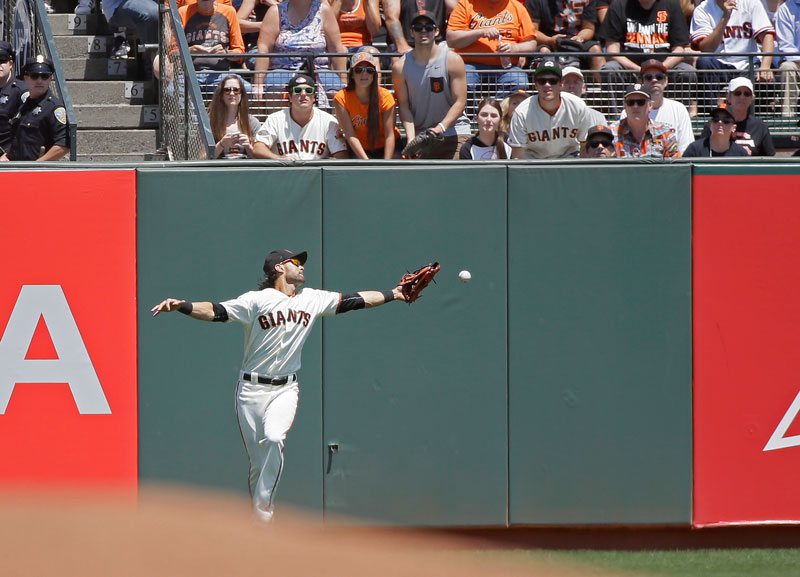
684	563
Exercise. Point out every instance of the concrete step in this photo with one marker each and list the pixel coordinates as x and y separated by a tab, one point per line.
73	25
130	157
116	116
83	68
112	92
117	141
84	46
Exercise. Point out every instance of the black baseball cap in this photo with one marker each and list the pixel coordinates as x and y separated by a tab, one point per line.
722	110
419	14
282	255
638	89
601	130
301	80
548	67
5	49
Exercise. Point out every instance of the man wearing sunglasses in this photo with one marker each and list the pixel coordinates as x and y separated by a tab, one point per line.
720	141
636	136
430	84
277	320
653	74
599	143
39	129
552	124
10	94
301	131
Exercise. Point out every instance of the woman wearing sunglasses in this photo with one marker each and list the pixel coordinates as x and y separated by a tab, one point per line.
720	141
232	125
366	111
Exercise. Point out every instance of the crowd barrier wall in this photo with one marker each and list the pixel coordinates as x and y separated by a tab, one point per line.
555	388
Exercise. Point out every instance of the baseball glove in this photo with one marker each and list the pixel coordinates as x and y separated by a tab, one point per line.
413	283
422	143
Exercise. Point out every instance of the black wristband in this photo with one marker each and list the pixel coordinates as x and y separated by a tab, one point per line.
186	308
388	296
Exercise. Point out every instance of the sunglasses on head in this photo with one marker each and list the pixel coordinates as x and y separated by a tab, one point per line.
723	119
362	69
303	90
551	80
742	93
232	89
598	143
429	27
38	75
636	102
657	76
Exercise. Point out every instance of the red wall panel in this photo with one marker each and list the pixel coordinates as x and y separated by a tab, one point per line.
746	348
68	329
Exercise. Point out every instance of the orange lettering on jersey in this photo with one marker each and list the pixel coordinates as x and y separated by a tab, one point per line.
481	21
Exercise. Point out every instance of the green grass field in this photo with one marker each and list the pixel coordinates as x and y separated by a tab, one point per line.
685	563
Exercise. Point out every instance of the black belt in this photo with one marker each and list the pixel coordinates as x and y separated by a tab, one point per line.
267	381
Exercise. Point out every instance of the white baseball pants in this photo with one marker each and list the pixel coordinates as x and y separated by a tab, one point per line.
265	415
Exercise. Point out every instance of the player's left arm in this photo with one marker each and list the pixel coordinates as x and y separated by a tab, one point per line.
202	311
368	299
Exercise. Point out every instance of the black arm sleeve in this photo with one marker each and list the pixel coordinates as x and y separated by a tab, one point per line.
350	302
220	314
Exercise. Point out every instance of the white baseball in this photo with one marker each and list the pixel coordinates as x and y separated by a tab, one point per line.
464	276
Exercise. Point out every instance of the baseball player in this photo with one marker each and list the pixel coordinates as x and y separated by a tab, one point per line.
277	320
551	125
302	131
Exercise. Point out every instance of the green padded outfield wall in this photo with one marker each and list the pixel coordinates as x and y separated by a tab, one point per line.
600	371
203	235
415	397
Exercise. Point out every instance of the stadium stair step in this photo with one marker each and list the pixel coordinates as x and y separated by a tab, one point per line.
115	104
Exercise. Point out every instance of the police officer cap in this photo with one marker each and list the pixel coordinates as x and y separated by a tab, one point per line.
40	64
5	49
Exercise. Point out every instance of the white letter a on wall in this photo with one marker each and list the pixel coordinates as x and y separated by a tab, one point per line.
777	440
73	365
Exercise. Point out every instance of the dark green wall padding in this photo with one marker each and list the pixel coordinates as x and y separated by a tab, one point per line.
555	388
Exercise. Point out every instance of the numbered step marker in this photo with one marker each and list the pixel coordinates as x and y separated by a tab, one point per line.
117	67
78	22
151	114
97	45
134	90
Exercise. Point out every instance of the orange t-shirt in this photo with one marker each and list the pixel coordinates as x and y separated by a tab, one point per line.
509	16
353	26
359	113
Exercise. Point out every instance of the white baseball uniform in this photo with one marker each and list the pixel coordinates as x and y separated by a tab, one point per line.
543	135
314	141
747	22
276	327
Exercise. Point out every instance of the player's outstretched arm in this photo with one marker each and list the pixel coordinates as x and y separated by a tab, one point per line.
378	298
203	311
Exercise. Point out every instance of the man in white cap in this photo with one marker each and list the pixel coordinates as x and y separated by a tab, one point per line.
653	74
751	132
573	83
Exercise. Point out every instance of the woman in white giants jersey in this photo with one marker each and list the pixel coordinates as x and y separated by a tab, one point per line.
277	320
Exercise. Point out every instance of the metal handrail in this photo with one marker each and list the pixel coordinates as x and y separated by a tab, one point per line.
61	83
191	86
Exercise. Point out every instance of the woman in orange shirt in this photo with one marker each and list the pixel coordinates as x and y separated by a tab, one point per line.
366	111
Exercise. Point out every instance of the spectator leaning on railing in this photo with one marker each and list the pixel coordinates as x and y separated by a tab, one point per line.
728	28
787	25
599	142
492	26
301	131
488	143
636	136
10	94
232	125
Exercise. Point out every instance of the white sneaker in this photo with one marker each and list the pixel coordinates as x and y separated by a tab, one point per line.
85	7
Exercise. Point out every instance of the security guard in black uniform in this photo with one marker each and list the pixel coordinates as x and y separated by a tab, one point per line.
10	94
39	130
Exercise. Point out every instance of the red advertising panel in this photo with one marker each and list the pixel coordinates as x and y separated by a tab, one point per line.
746	349
68	414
